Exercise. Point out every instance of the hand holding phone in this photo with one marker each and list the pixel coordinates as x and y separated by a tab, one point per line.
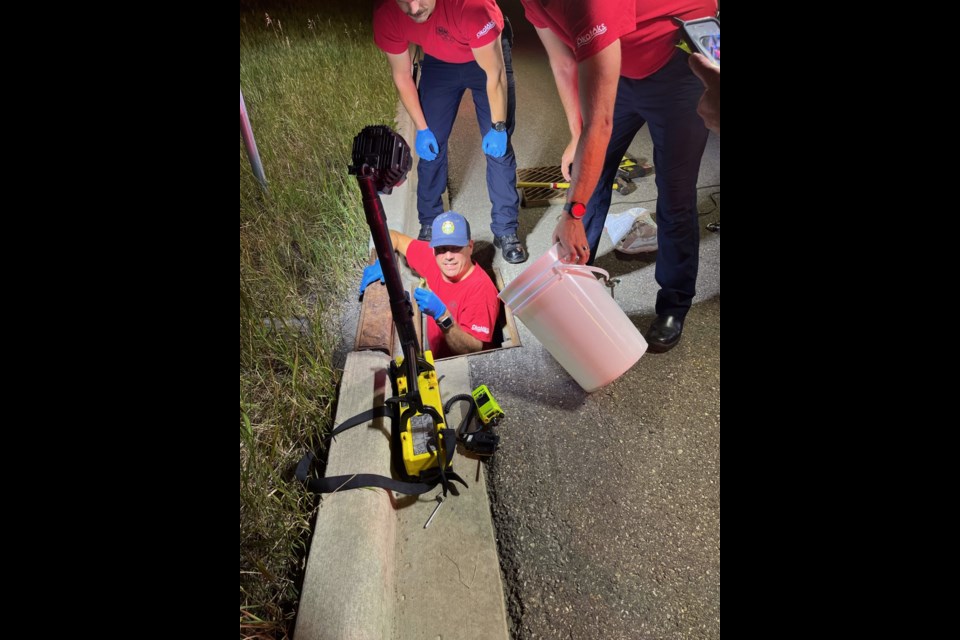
702	36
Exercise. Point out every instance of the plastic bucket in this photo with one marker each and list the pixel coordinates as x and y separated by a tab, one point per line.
574	316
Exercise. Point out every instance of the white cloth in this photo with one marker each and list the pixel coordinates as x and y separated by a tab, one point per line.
632	231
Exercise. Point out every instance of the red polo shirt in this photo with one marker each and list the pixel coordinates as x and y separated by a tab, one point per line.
452	30
472	302
645	29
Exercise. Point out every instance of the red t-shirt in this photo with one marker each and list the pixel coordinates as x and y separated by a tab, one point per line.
472	302
452	30
647	34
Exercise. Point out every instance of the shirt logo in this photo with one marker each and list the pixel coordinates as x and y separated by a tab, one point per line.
486	29
585	38
447	227
480	329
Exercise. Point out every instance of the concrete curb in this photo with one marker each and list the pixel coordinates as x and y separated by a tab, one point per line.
348	587
407	216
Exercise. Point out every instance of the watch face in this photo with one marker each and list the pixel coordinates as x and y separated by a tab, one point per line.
577	209
500	126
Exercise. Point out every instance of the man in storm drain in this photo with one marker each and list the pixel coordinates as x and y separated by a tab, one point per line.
461	299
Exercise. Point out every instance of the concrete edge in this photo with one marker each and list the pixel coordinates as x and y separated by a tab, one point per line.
348	586
400	206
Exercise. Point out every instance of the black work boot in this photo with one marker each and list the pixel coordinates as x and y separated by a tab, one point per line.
426	232
513	251
664	333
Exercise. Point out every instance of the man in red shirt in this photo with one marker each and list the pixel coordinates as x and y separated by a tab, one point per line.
463	49
462	299
617	68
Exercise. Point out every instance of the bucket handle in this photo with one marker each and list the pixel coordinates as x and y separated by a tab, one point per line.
583	267
558	268
610	282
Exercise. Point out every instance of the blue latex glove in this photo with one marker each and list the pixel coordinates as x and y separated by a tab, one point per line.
371	274
429	302
495	143
427	145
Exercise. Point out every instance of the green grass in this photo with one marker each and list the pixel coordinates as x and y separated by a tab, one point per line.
312	79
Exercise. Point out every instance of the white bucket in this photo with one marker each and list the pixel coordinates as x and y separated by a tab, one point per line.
574	316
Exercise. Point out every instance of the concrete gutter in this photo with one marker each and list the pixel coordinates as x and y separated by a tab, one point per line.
373	571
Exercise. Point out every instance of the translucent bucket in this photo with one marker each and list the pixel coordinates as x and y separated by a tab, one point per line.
574	316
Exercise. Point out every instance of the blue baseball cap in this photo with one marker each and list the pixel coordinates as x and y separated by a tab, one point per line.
450	229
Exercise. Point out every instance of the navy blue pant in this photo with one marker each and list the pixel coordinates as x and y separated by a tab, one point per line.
667	103
441	88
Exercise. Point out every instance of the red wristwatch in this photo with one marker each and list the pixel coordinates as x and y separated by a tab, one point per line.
576	210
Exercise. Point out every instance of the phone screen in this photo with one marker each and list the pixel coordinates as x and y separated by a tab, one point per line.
703	35
711	44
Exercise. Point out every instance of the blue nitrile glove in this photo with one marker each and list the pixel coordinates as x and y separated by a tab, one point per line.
429	302
427	145
495	143
371	274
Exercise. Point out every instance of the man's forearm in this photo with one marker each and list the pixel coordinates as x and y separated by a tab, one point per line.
598	80
401	242
497	95
460	342
490	59
410	100
564	68
565	76
589	159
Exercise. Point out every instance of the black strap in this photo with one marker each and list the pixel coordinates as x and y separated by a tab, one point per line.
377	412
446	477
461	430
482	441
357	480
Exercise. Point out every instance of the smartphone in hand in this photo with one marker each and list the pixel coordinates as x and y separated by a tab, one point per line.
703	36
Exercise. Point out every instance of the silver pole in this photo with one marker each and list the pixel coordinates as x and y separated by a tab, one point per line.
251	145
